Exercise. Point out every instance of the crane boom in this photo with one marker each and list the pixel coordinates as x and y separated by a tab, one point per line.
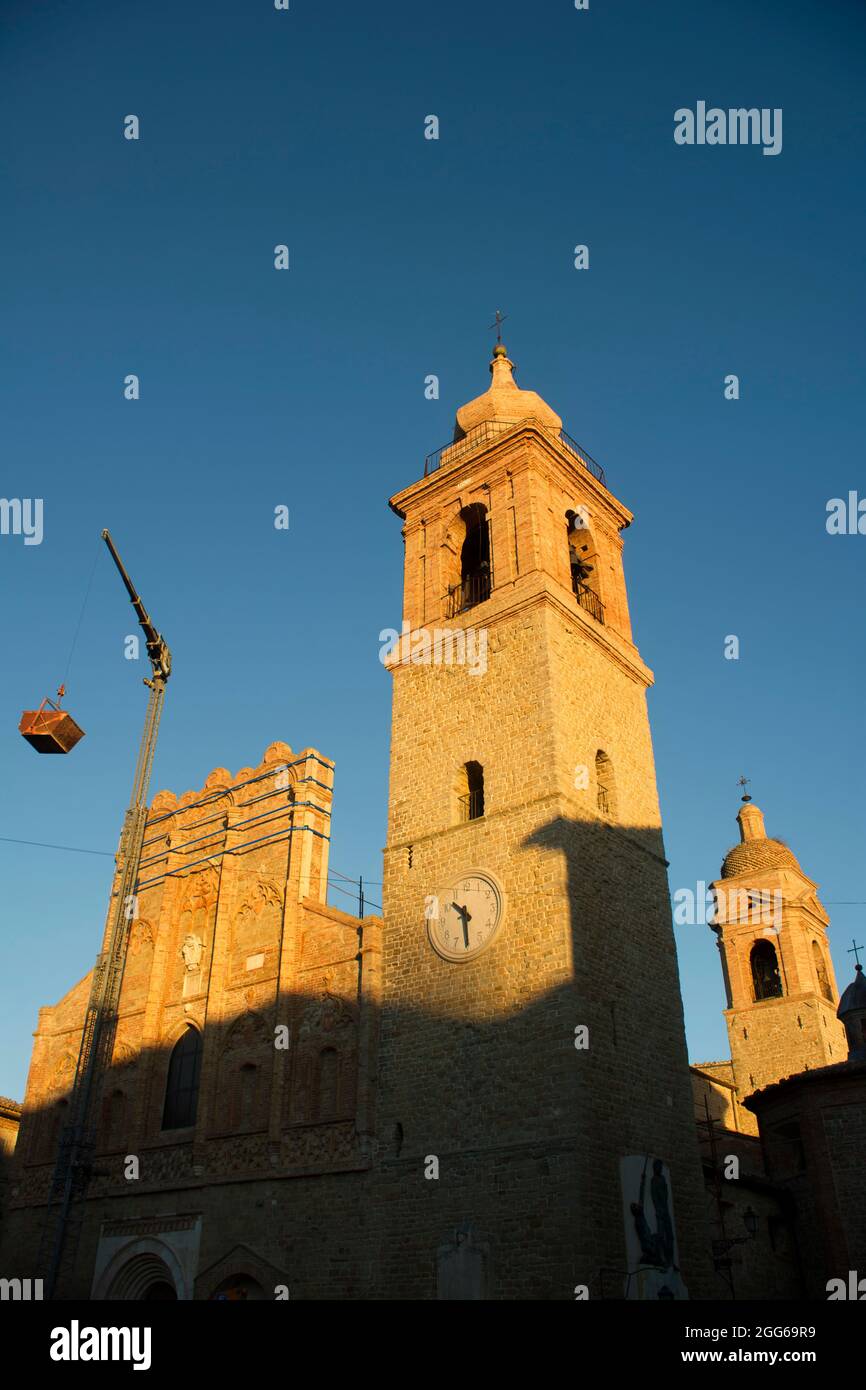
157	650
73	1167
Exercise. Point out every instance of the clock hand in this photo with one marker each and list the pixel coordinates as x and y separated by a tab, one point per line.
466	917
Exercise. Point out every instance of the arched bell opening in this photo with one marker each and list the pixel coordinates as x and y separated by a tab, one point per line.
821	971
583	564
469	570
766	977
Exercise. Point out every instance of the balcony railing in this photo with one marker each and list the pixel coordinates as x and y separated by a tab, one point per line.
476	438
589	601
583	457
471	805
472	590
489	430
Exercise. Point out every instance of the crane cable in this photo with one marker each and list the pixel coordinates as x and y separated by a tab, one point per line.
80	621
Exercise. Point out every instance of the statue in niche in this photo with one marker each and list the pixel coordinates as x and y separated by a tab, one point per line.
191	952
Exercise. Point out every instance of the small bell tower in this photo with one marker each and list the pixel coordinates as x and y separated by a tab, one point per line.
779	980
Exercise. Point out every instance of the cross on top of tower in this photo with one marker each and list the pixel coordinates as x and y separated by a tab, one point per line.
744	782
855	952
497	324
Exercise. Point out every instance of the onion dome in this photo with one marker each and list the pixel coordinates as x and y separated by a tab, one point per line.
504	402
852	1012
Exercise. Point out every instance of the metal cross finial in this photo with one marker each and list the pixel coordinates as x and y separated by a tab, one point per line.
744	782
497	324
855	951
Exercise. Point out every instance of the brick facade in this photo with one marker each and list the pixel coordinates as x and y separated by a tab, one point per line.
235	875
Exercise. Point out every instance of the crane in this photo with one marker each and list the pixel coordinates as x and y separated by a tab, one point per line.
74	1162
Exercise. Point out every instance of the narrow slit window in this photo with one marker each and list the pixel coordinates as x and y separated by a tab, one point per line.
470	792
605	784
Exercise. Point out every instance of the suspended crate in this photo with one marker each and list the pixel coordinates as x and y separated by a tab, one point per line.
50	730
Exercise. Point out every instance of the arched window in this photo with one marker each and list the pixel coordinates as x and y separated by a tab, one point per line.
605	784
469	791
326	1108
184	1073
583	562
474	584
821	972
766	980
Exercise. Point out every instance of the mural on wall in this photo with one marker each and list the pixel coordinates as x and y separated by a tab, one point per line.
650	1233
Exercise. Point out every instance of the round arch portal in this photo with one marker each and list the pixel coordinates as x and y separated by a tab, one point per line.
143	1271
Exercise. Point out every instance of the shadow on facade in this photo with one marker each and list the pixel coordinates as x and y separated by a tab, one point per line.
434	1130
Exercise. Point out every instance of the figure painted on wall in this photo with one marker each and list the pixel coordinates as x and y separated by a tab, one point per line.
650	1232
664	1225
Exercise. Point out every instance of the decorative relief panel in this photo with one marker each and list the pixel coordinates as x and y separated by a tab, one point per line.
247	1153
324	1073
245	1074
139	962
320	1145
256	929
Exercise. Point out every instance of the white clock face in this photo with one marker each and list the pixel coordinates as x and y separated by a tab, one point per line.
465	916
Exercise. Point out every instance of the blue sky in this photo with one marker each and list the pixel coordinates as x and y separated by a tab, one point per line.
306	388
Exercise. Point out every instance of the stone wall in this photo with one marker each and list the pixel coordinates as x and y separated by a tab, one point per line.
478	1064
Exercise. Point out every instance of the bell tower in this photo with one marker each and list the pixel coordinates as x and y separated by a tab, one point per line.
531	1032
779	979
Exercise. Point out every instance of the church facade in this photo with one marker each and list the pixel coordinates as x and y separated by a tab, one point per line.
467	1097
240	1075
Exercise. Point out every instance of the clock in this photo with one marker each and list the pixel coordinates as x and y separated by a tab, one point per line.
464	917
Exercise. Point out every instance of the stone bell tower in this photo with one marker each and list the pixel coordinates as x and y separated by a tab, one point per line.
532	1032
772	937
